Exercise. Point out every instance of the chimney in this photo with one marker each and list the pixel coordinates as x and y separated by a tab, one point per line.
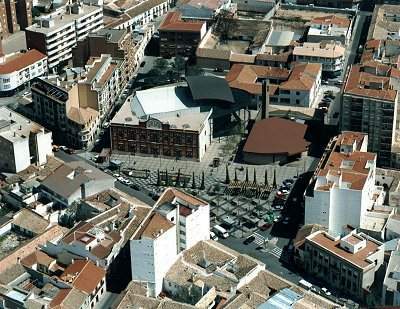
265	101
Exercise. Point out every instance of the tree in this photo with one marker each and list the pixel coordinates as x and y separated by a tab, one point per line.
236	178
178	179
274	185
227	178
255	176
161	64
193	181
266	178
179	64
158	177
247	174
166	178
202	185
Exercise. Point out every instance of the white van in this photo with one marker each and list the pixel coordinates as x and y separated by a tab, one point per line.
305	284
213	236
220	231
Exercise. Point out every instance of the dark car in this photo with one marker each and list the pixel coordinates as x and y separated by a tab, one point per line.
265	226
249	240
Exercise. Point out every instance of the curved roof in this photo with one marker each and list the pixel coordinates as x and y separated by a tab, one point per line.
209	88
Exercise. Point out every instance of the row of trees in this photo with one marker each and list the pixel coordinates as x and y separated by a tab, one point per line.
180	180
247	180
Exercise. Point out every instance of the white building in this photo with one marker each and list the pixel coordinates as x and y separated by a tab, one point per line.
391	283
22	142
19	68
56	33
329	28
330	54
180	221
153	252
190	214
343	188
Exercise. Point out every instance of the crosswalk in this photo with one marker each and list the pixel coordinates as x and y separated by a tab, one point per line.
260	241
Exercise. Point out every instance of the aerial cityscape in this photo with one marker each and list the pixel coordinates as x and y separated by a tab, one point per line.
209	154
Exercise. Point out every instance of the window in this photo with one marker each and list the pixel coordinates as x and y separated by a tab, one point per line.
6	80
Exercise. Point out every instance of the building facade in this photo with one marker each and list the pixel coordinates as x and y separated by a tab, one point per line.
328	53
22	142
178	37
369	105
330	27
172	131
56	33
348	264
71	114
342	190
20	68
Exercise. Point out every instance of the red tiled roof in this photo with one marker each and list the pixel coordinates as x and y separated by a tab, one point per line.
332	20
276	136
83	275
21	61
358	80
173	22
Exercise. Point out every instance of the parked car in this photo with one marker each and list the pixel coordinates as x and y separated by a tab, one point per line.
213	236
249	240
265	226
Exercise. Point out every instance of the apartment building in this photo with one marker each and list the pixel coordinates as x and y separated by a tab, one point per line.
22	142
342	191
24	13
56	33
348	264
385	22
340	4
119	44
178	37
296	87
20	68
153	252
179	222
103	81
331	28
190	214
329	53
369	105
391	282
67	110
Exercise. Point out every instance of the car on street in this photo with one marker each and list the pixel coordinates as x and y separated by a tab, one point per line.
95	158
325	290
249	240
213	236
265	226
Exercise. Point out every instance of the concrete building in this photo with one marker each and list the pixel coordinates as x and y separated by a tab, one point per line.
370	106
129	14
256	6
67	109
11	15
391	282
24	13
102	82
342	191
127	47
20	68
172	129
153	252
22	142
348	264
74	181
178	37
190	214
56	33
296	87
330	28
329	53
339	4
385	22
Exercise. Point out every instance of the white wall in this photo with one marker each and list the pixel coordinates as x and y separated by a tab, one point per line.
197	226
43	147
205	137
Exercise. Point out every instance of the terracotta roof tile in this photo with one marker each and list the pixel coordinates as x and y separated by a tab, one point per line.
21	61
331	20
276	136
173	22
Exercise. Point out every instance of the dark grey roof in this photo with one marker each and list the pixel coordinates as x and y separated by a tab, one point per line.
209	88
114	35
